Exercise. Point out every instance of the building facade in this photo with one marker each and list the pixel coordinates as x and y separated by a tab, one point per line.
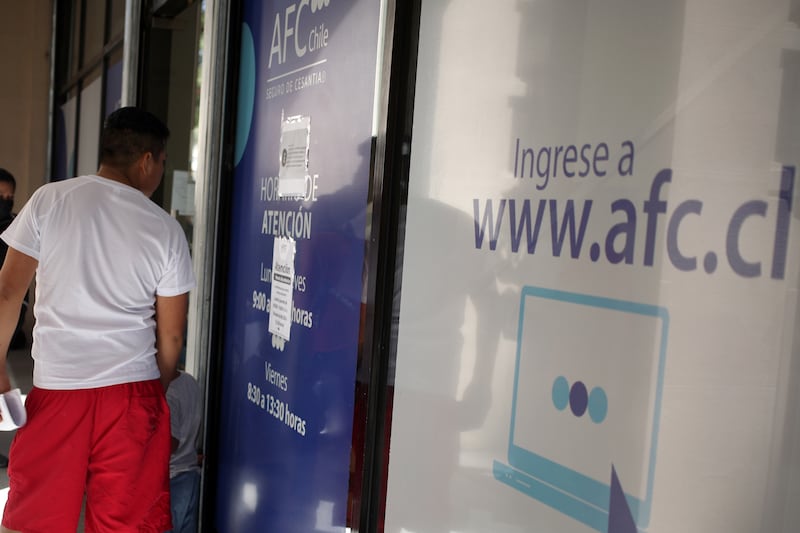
466	266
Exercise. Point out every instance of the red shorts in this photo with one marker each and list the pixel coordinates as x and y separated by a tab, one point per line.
111	444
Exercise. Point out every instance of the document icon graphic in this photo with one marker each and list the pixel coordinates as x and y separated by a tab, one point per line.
586	399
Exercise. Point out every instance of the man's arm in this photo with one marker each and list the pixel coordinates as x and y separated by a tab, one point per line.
15	278
170	326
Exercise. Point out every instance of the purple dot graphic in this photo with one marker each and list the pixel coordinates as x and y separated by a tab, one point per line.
578	398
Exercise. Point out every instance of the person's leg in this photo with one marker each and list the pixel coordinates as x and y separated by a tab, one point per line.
194	503
47	471
184	492
128	481
179	488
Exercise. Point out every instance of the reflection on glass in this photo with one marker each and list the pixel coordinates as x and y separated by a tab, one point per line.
638	156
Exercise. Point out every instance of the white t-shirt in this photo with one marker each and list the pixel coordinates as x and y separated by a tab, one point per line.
185	412
105	251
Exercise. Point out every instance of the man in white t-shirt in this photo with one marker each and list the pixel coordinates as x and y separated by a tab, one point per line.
113	273
185	409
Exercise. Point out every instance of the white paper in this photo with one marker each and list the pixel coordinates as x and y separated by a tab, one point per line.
295	139
12	409
182	193
280	312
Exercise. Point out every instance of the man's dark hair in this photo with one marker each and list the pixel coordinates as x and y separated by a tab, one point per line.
128	133
8	177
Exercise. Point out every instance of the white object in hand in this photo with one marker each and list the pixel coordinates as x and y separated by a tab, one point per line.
13	411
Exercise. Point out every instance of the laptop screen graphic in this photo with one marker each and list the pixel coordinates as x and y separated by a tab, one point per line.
587	391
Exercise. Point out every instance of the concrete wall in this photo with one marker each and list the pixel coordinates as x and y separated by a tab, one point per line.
25	35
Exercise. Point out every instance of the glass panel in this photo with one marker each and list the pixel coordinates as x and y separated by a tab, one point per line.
89	126
200	67
113	95
598	325
297	257
63	51
117	18
94	30
76	38
64	146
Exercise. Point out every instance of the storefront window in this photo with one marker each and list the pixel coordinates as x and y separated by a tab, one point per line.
88	81
94	30
598	317
116	19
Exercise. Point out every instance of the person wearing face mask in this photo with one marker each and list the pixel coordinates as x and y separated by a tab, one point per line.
8	186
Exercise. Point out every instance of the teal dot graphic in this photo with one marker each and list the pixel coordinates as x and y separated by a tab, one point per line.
561	393
247	92
598	405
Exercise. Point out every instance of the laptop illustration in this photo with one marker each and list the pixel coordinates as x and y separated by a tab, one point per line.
586	399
